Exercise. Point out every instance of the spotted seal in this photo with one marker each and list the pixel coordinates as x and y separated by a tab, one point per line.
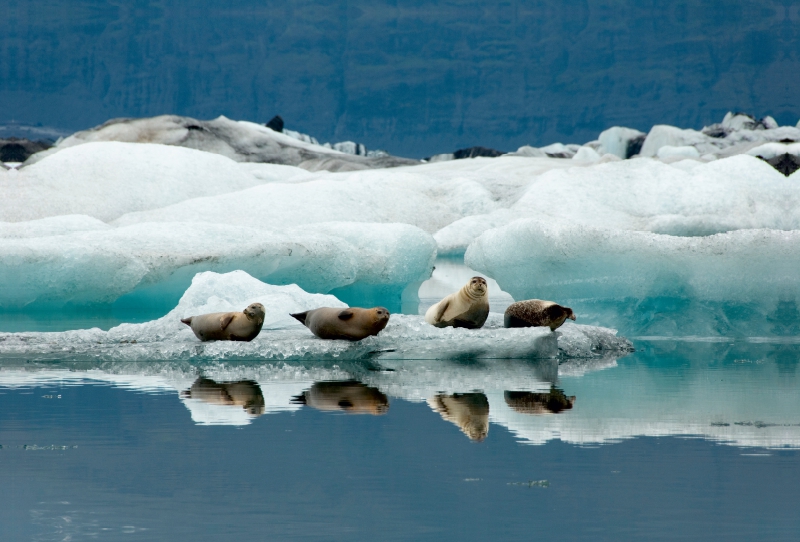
535	313
228	326
351	324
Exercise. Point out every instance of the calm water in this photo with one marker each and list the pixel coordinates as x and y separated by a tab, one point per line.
679	440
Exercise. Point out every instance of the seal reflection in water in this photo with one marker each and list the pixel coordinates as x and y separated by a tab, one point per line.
469	411
245	393
351	324
535	313
228	326
468	307
349	396
526	402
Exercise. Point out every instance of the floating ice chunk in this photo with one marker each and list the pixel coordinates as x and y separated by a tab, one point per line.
156	263
734	193
699	285
406	337
662	135
106	180
621	142
586	154
668	151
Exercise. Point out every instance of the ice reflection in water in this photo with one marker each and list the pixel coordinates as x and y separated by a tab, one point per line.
312	474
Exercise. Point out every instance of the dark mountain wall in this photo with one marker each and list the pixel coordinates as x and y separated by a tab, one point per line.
413	77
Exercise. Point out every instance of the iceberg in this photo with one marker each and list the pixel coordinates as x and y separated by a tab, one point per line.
282	338
150	265
106	180
743	282
240	141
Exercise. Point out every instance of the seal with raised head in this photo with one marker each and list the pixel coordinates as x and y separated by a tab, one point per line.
228	326
536	313
468	307
469	411
351	324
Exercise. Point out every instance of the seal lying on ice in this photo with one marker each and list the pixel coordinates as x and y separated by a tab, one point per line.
468	307
228	326
351	324
535	313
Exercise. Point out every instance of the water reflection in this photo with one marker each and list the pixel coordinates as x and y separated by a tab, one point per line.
234	398
348	396
526	402
468	411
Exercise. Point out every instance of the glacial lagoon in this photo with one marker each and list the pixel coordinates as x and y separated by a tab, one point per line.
668	410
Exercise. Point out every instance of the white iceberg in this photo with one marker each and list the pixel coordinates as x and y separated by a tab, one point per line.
153	263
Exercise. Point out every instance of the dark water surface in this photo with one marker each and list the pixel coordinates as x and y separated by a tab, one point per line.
413	77
689	441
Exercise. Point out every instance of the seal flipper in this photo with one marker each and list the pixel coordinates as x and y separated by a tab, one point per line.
442	308
187	321
300	317
225	321
346	314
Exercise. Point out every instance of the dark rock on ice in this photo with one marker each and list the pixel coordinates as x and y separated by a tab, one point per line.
473	152
276	123
634	146
785	163
18	150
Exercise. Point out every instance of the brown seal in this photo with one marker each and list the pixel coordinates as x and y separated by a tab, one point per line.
351	324
348	396
535	313
244	393
228	326
527	402
469	411
468	307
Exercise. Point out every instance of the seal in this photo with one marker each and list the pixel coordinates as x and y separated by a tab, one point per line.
244	393
348	396
351	324
527	402
228	326
468	411
535	313
468	307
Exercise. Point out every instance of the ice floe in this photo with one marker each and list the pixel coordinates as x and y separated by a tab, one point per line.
282	338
